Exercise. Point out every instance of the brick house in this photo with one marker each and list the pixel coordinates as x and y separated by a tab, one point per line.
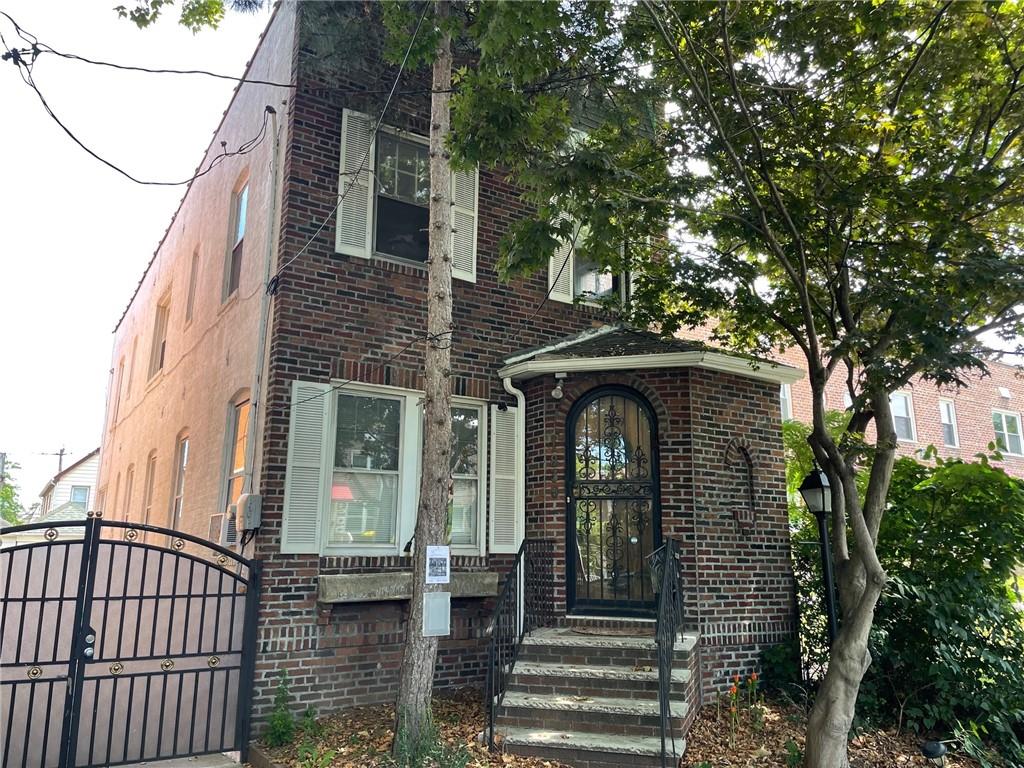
669	439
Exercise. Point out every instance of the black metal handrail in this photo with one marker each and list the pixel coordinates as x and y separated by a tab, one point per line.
665	573
525	603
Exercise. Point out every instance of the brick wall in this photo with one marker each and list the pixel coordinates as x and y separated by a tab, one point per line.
210	358
338	317
736	568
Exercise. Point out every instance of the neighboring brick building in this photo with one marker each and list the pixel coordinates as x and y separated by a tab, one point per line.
959	422
668	438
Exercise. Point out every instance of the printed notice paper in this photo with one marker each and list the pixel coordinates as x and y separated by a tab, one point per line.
439	565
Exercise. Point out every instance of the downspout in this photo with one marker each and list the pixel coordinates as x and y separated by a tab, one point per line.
255	401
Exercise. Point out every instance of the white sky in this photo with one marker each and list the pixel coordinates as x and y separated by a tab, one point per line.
74	235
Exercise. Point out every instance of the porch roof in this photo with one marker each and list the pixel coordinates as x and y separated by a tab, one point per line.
619	347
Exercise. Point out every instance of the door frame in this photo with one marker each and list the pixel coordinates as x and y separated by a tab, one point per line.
571	552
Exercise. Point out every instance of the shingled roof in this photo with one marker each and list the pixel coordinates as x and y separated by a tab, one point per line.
616	347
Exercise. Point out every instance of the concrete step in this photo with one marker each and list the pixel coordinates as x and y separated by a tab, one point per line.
591	714
563	645
589	750
619	681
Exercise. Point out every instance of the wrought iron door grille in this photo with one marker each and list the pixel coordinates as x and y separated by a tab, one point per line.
612	496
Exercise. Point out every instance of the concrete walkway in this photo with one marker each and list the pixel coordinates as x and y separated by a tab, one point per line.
202	761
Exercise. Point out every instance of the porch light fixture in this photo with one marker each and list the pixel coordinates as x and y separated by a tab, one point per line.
817	495
557	393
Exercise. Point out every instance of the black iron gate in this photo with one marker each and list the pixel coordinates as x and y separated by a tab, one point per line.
122	643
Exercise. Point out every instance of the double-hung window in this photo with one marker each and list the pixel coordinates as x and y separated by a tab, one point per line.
354	471
573	276
384	197
181	467
786	401
366	477
80	494
1008	435
465	504
403	197
947	418
158	351
239	433
239	208
902	416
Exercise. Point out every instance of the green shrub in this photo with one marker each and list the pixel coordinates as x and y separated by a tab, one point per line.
780	667
427	751
311	756
281	723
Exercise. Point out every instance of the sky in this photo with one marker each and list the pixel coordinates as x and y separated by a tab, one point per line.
75	236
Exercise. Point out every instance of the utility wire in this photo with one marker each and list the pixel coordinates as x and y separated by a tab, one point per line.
432	338
274	282
25	70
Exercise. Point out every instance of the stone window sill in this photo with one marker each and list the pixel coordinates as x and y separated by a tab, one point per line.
380	587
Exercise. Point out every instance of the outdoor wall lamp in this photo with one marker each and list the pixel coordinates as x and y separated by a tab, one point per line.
557	393
817	494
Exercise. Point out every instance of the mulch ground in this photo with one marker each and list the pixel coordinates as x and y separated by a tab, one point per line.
710	744
361	738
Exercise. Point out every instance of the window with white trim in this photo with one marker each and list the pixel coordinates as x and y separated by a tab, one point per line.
238	434
129	481
902	416
384	189
158	352
786	401
365	482
403	197
148	488
80	494
572	276
1006	425
193	275
233	267
353	478
947	419
180	469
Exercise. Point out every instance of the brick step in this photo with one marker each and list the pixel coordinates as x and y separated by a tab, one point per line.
590	714
589	750
539	677
561	645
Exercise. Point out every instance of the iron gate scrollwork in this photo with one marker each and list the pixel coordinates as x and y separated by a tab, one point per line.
122	643
613	516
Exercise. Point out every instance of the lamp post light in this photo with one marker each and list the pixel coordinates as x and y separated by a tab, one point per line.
817	495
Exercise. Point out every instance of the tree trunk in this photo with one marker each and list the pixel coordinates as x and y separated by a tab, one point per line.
418	661
828	727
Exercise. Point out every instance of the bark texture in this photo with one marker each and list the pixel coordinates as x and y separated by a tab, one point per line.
419	659
860	579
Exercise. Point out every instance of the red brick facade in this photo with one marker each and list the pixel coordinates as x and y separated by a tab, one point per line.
336	317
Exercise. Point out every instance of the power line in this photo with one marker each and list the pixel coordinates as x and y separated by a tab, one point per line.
25	71
274	282
382	364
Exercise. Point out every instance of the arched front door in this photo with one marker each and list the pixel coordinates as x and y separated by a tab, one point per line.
614	518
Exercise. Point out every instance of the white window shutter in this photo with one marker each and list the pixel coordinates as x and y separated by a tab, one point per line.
464	215
506	524
355	211
308	452
560	278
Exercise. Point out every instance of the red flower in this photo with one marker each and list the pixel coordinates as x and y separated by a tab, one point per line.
753	678
733	690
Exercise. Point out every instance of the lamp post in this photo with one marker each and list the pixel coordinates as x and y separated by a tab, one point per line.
817	495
